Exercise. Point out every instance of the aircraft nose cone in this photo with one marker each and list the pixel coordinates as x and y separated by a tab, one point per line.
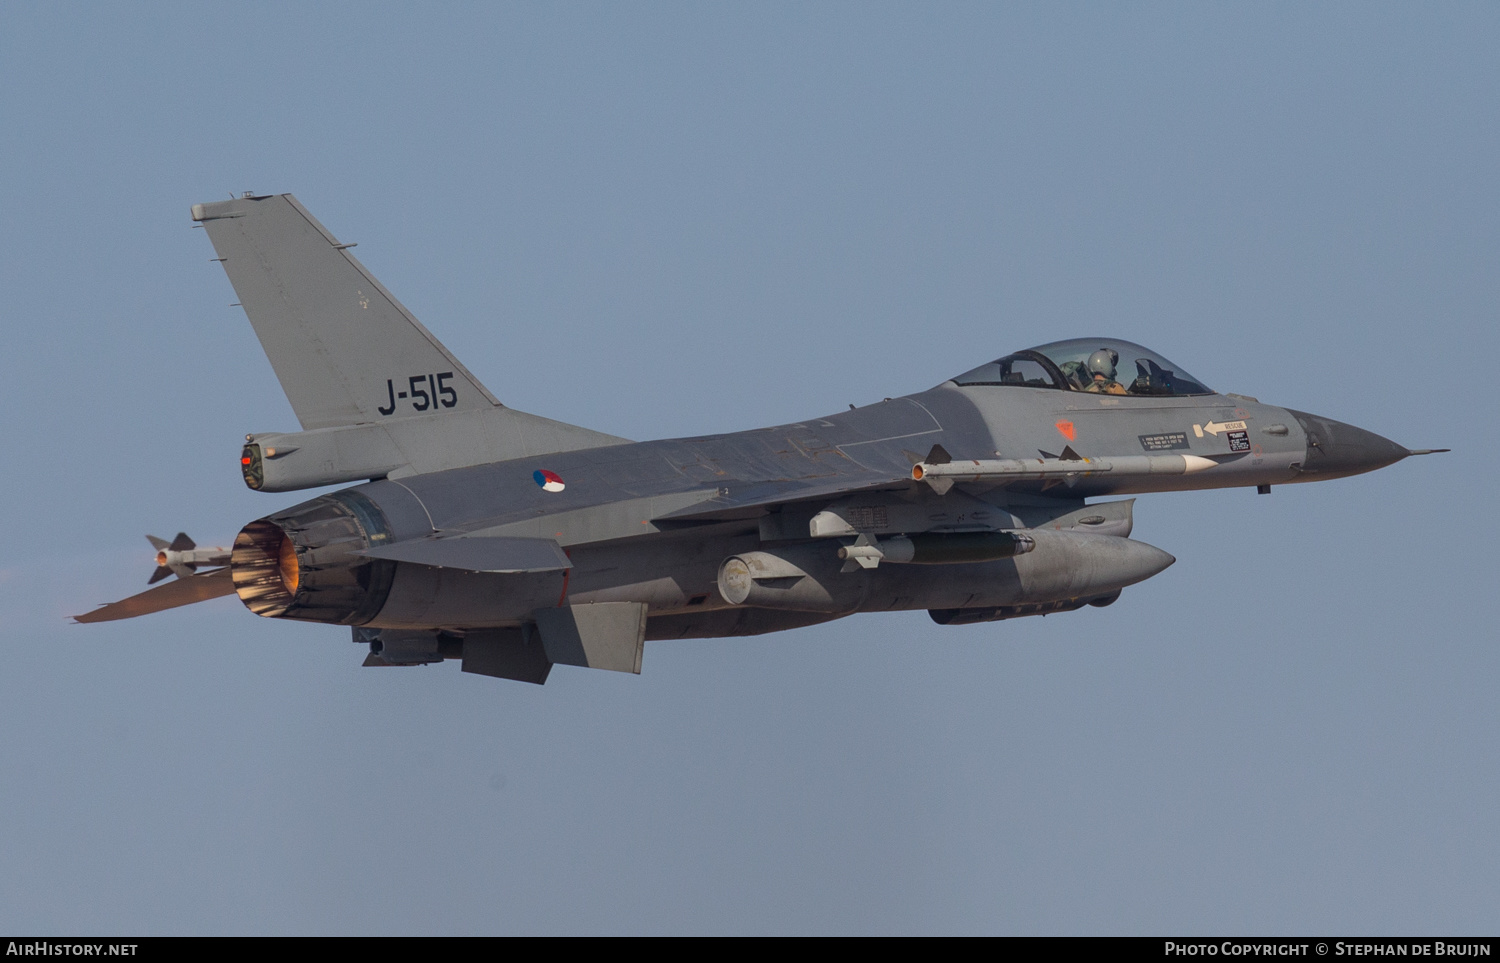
1335	449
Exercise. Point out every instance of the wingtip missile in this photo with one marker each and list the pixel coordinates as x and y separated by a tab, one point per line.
182	557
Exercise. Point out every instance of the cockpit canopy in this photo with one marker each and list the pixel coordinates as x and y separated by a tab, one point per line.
1099	365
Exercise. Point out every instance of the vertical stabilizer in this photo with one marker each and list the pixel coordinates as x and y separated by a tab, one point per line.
346	351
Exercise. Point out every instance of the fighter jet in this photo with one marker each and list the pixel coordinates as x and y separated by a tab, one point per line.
510	542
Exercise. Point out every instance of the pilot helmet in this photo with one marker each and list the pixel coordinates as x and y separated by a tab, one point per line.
1102	362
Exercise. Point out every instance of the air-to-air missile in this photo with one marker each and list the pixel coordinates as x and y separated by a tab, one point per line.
182	558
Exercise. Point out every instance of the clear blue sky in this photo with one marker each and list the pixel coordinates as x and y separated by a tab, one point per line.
661	220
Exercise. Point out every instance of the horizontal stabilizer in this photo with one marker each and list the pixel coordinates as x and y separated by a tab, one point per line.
183	591
478	554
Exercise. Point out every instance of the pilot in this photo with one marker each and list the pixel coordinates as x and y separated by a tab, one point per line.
1102	369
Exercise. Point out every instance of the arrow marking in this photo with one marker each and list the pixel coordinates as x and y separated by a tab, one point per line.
1214	427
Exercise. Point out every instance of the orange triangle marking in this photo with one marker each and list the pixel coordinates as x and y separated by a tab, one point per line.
1067	430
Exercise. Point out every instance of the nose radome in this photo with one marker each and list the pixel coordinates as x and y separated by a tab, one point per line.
1335	449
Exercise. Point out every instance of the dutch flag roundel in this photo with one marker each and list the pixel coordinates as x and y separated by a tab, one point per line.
548	480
